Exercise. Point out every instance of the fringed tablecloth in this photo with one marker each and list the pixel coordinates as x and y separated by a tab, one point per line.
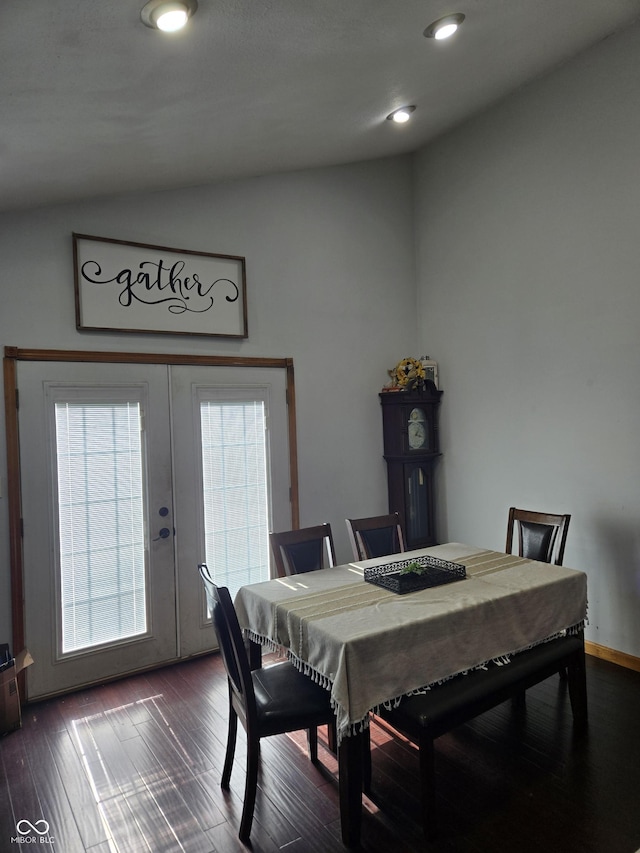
370	646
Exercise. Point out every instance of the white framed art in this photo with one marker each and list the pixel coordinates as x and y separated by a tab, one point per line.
137	287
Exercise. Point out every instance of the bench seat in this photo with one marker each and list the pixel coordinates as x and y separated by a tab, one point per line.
426	716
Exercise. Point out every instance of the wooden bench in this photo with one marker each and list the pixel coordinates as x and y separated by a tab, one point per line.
426	716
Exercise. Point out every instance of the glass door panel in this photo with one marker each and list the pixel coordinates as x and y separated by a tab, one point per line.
233	483
99	580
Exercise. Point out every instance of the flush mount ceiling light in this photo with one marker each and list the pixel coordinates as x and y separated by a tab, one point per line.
401	115
166	15
445	27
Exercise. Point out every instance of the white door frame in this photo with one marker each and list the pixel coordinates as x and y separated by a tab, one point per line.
15	354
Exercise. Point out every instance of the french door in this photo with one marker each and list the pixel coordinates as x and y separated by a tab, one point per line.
132	474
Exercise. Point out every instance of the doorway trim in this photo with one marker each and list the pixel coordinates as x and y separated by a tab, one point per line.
12	355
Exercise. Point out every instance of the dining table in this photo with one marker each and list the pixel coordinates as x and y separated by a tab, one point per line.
370	646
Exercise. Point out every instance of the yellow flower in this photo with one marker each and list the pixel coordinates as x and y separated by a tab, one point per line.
409	371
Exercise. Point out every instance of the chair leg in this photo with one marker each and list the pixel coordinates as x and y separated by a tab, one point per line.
332	737
427	786
250	789
312	738
231	747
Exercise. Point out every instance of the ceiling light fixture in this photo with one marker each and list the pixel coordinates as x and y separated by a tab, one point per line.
401	115
445	27
166	15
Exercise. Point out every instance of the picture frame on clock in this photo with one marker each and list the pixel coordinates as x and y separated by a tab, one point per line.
430	370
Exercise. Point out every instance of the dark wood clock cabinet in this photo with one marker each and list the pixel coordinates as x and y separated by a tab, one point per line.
411	450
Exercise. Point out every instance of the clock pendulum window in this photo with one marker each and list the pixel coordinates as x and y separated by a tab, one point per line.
411	450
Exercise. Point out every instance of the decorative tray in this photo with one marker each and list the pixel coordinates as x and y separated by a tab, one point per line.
435	573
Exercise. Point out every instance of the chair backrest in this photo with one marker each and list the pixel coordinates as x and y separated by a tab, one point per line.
376	536
541	535
232	648
305	550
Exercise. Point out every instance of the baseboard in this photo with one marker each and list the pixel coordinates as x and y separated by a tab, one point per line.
613	656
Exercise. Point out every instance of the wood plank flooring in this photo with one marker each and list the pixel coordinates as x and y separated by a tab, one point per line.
136	765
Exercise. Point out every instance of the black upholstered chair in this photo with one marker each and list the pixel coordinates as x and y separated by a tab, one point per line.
376	536
305	550
541	535
269	701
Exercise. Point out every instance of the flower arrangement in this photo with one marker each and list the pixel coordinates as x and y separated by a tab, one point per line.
407	374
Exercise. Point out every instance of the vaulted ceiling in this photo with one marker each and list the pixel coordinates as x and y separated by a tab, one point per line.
93	103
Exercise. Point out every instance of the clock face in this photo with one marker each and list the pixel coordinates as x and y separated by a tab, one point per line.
417	429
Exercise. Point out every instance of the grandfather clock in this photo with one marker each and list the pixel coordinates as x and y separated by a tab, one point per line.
411	449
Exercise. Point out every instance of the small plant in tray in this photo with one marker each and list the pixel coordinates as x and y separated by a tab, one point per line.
413	569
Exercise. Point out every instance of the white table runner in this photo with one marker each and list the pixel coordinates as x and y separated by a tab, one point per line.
370	646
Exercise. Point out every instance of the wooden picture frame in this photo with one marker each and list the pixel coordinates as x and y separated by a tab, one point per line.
138	287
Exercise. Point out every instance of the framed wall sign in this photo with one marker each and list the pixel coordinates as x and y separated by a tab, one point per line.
136	287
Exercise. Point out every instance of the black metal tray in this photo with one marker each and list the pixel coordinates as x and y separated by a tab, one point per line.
437	572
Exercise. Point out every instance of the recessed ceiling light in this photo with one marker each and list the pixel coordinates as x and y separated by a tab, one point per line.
445	27
166	15
401	115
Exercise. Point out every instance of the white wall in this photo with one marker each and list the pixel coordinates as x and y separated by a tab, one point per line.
330	282
528	222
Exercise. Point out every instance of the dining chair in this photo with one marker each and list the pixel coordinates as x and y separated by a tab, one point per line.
376	536
268	701
305	550
540	535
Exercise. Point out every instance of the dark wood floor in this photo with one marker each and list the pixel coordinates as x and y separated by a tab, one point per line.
135	766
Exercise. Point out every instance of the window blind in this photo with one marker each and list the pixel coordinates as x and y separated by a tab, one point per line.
234	474
100	523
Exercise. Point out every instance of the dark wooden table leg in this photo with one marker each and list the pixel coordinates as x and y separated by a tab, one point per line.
577	678
350	785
